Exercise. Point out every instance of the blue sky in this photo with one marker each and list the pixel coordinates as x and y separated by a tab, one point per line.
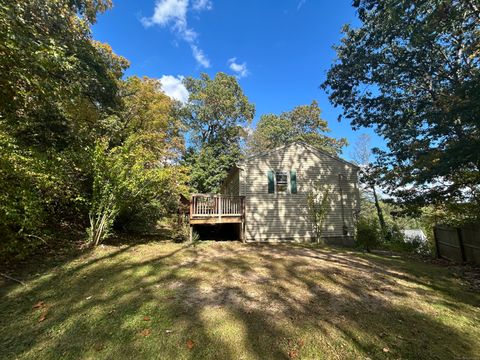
280	50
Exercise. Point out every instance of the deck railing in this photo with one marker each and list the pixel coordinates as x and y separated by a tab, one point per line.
202	205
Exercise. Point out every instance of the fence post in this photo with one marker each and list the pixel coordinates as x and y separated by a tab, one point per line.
437	247
460	243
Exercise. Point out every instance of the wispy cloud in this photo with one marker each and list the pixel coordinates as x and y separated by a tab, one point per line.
200	56
173	14
202	5
240	70
300	4
173	87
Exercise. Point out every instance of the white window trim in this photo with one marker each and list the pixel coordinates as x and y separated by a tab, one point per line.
288	188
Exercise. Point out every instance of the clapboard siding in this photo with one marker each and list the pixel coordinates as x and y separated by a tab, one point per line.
285	216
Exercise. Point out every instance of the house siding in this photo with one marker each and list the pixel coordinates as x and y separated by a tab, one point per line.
232	184
284	216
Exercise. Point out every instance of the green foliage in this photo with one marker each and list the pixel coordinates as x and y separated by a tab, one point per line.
391	238
412	70
368	233
217	109
216	114
303	123
130	189
78	145
48	63
210	164
318	206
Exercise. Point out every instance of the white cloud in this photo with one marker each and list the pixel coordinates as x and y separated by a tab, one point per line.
200	5
173	14
200	56
167	12
174	88
300	4
239	69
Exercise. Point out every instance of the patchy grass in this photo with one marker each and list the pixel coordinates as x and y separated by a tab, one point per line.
236	301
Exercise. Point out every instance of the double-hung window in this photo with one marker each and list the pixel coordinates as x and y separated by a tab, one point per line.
281	182
278	182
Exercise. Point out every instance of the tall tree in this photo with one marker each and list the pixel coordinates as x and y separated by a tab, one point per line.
303	123
216	114
412	71
368	175
58	87
48	61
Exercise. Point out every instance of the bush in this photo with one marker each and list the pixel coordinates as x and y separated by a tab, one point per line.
181	233
368	233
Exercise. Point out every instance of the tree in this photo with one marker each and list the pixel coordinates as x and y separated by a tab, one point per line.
318	207
303	123
411	70
57	89
369	176
216	113
48	62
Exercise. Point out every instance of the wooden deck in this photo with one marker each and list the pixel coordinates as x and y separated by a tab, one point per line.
217	209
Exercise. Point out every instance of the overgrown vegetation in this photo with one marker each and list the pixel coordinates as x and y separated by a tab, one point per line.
80	145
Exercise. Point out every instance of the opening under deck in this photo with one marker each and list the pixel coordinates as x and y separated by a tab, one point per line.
217	213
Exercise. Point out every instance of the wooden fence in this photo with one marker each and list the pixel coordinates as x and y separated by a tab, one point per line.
460	244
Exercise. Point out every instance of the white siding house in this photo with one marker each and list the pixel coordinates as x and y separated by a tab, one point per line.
275	185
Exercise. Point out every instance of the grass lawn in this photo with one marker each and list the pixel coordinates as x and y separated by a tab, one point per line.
162	300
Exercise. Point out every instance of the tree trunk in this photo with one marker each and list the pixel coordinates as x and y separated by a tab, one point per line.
381	219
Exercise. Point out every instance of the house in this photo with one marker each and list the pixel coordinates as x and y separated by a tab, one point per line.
265	196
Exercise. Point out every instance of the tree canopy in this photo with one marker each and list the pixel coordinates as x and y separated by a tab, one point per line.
303	123
216	114
77	141
411	70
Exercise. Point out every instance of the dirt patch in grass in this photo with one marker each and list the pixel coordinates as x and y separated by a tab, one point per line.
240	301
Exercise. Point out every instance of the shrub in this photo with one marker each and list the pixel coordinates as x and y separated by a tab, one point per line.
368	233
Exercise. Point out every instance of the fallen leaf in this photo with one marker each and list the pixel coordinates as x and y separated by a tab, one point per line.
301	342
88	297
292	354
146	332
42	317
385	350
190	344
146	318
38	305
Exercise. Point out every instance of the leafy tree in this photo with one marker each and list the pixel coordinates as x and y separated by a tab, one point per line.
216	114
137	176
303	123
48	60
57	88
131	187
412	71
210	164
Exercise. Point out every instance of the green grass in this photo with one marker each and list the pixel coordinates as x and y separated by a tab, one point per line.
163	300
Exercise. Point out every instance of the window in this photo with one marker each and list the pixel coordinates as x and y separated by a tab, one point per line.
281	181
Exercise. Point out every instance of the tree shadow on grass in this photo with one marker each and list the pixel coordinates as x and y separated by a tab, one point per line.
230	301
